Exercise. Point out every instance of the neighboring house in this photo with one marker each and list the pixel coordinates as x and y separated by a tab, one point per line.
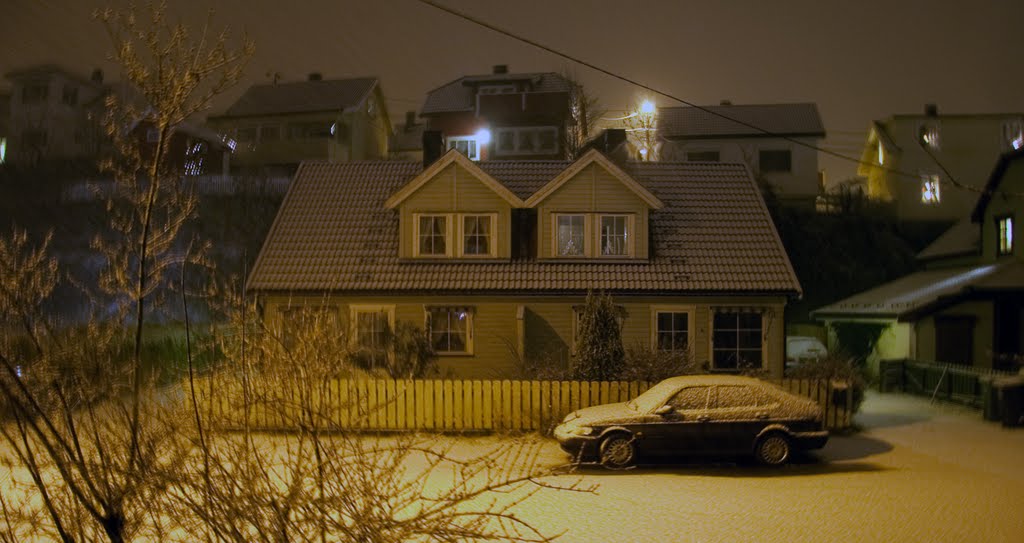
496	258
54	114
908	159
282	124
502	116
406	141
967	306
193	150
782	153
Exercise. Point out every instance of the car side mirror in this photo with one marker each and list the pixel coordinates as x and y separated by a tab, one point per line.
663	410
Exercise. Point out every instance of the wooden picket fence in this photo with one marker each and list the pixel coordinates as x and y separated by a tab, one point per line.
448	405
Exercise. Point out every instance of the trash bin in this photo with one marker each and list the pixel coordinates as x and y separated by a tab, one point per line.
1011	399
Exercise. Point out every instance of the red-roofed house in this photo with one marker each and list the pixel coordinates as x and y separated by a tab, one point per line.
494	258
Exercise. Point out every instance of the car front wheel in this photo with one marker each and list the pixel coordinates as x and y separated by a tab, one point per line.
772	449
617	451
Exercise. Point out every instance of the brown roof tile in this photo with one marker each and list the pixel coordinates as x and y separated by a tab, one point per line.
333	233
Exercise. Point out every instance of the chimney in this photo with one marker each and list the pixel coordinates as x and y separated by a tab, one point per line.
410	120
500	69
97	76
931	110
433	146
725	102
316	76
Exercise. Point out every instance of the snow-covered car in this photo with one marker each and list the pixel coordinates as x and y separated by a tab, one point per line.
800	349
698	415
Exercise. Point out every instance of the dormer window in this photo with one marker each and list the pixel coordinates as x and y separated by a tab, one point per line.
571	235
1004	231
460	235
593	235
615	235
432	235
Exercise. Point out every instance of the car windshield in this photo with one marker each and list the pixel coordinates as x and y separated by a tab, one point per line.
654	398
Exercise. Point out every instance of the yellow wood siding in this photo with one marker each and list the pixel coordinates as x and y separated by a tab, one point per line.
455	190
593	190
548	325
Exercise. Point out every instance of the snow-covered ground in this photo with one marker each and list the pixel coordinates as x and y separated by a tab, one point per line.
918	472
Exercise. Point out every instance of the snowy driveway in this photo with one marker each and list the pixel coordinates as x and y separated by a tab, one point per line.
918	472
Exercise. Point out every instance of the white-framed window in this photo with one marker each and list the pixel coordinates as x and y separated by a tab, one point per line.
1004	233
615	233
526	140
371	327
930	135
775	160
447	235
592	235
478	235
1013	134
570	235
466	145
450	329
497	89
672	328
737	339
432	233
931	189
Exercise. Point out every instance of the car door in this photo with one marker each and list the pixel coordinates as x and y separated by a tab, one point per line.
736	415
682	430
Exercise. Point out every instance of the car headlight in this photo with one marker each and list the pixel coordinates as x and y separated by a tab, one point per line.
583	431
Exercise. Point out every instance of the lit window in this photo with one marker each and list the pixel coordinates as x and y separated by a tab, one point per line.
465	145
1004	225
775	161
614	235
737	340
702	156
930	135
476	235
432	235
881	154
527	140
3	150
451	329
931	191
673	331
571	235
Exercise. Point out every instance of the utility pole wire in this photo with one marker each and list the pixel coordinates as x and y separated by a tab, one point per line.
538	45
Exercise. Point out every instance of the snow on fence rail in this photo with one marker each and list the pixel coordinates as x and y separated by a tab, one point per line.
449	405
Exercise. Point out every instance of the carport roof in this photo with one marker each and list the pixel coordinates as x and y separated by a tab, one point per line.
921	293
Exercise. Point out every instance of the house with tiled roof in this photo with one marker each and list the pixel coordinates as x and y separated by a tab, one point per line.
922	165
278	125
777	142
502	115
967	305
495	258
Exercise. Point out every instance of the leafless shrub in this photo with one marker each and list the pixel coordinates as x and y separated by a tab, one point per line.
644	363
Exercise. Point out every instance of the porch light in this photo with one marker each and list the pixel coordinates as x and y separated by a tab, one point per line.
647	107
483	136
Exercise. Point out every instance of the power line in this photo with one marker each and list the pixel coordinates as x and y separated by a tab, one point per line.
538	45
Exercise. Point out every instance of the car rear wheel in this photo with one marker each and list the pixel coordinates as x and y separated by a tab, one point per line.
772	449
617	451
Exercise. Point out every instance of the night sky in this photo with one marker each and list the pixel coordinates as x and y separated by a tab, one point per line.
857	60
